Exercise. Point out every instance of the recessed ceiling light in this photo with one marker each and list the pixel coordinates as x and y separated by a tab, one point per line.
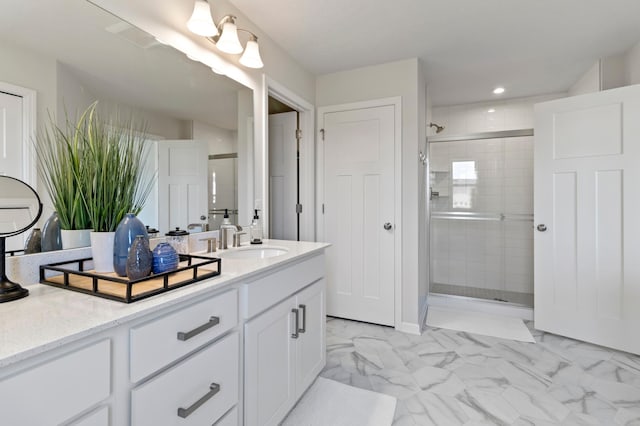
491	110
498	90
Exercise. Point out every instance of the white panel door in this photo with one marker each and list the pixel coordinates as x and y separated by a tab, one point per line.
11	149
182	183
587	199
283	184
359	146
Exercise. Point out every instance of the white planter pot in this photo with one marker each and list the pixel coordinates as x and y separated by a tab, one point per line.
74	238
102	251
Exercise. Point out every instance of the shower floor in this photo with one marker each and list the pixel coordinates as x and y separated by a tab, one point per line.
525	299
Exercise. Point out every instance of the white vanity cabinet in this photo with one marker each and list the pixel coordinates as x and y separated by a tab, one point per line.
239	349
59	388
285	344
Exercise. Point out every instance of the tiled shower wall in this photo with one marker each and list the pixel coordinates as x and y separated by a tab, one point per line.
493	254
487	254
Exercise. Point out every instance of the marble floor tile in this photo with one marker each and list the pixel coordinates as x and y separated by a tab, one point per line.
446	377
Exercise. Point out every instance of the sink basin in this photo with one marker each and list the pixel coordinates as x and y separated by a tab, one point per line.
253	253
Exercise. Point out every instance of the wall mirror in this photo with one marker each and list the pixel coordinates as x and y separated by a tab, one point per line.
73	53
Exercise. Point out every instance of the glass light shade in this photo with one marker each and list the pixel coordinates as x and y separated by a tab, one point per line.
251	56
228	41
201	22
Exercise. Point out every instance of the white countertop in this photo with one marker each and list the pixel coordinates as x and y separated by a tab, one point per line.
50	317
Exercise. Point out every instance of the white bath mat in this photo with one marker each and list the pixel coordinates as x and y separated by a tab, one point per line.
331	403
479	323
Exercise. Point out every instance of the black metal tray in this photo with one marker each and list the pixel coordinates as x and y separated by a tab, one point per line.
72	275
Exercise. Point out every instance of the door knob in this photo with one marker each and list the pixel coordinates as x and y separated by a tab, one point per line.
542	227
387	226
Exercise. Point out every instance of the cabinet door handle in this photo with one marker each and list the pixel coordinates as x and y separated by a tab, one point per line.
303	308
214	388
295	334
182	335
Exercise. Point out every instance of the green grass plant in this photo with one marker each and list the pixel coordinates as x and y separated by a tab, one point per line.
102	162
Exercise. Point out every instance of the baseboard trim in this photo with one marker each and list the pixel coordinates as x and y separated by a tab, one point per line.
410	328
479	305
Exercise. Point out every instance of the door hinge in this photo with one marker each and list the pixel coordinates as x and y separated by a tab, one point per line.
322	208
322	133
298	208
298	134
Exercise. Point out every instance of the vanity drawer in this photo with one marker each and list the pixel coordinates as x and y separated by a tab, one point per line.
185	394
265	292
57	390
164	340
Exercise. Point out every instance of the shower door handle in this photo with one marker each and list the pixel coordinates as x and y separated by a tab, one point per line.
542	227
387	226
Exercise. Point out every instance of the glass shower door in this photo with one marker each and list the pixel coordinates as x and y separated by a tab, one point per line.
482	218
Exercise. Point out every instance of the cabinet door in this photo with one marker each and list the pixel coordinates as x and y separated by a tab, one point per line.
269	365
311	346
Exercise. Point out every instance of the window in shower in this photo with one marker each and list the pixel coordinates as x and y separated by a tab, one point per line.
482	218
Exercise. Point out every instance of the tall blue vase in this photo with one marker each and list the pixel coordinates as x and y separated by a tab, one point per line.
51	239
126	232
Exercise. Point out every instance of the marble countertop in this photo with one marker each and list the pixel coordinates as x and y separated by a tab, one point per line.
50	317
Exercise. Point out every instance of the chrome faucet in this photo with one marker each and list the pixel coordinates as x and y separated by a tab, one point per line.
236	238
225	231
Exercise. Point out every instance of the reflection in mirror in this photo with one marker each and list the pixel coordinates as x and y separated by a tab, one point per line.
99	57
20	209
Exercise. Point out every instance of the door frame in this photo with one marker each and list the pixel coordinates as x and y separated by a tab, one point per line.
396	102
307	157
29	97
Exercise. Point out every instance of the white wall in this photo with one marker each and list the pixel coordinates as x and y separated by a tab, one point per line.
24	68
424	115
632	65
401	78
475	118
590	81
221	141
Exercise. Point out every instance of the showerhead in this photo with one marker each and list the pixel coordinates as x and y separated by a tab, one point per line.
438	128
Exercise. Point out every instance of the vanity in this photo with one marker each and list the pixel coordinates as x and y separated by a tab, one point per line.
240	348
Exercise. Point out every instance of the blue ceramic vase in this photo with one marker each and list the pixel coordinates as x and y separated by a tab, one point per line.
34	242
165	258
139	259
51	239
128	229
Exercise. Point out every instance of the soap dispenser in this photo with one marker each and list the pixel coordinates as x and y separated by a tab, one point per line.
226	231
256	229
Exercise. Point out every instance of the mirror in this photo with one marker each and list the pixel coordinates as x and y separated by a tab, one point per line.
85	54
20	209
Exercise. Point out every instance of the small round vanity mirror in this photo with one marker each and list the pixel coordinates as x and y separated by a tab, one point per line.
20	209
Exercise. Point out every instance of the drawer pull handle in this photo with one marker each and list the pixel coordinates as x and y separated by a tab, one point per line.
295	334
214	388
303	308
213	321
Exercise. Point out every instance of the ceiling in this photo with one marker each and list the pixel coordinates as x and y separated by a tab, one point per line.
469	47
119	62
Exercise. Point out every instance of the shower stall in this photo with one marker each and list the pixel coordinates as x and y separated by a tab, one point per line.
481	216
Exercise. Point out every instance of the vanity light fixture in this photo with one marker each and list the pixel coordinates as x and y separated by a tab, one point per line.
225	34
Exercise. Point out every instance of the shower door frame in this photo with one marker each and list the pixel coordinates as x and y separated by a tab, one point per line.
441	298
